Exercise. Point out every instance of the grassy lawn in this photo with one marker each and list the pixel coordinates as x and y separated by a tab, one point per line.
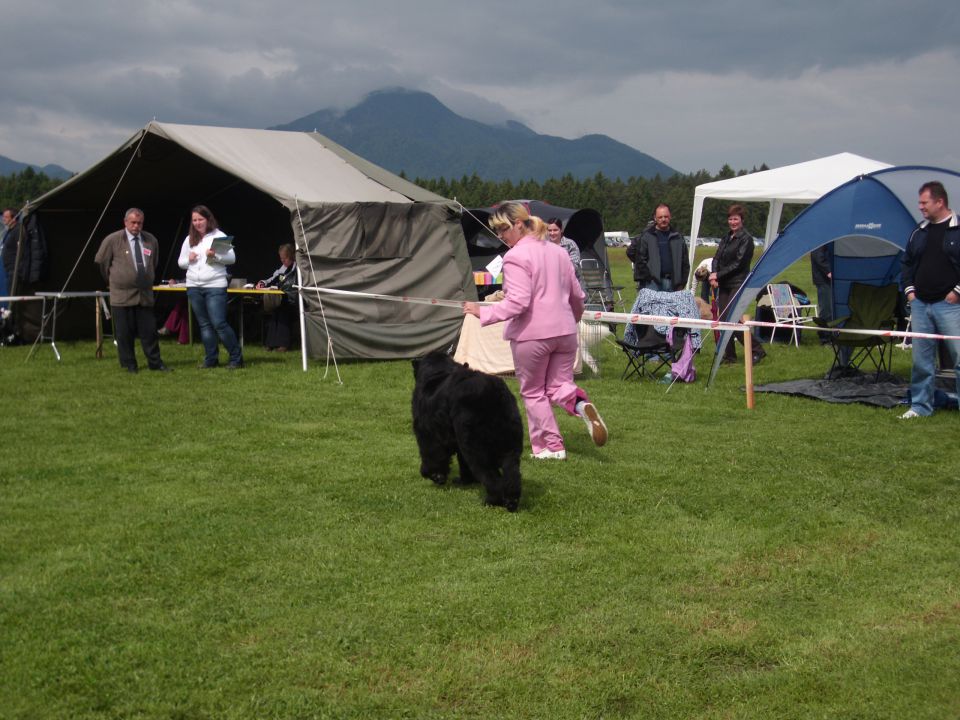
259	544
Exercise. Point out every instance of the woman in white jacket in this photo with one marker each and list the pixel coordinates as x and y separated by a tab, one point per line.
206	266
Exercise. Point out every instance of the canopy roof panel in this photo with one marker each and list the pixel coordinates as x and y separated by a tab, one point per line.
800	183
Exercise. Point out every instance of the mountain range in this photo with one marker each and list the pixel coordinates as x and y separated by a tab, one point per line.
8	167
414	133
411	132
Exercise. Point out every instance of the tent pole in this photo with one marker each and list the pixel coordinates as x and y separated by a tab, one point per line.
303	324
748	362
694	232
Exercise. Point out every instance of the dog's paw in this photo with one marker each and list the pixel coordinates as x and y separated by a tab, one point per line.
438	478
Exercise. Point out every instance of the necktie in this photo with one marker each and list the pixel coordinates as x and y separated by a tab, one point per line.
141	270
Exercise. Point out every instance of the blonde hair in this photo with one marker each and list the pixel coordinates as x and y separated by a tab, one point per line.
508	213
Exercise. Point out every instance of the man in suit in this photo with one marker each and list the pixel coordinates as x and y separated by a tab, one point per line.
128	262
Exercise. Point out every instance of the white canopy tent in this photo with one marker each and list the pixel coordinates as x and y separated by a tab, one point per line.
801	184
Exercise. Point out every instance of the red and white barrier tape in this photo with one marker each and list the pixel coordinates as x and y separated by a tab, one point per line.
623	318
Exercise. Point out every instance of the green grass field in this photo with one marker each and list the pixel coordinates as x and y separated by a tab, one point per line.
259	545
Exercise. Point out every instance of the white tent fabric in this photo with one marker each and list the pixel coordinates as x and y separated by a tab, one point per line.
800	184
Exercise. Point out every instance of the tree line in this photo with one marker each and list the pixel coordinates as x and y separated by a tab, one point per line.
623	204
19	187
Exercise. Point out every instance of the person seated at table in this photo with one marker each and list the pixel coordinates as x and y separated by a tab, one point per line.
282	317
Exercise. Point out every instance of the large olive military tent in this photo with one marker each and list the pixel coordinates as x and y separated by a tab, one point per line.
356	227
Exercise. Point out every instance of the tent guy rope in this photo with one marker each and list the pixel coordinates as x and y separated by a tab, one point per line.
323	315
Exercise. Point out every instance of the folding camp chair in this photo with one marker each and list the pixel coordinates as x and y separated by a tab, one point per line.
787	311
871	308
594	284
601	293
650	353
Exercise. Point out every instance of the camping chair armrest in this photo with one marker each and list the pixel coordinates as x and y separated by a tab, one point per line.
838	322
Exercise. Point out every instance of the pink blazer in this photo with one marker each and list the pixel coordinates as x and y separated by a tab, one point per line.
543	296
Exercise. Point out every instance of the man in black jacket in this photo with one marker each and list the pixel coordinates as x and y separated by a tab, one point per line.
24	260
659	255
930	278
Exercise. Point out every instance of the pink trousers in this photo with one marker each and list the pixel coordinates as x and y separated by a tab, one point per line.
545	371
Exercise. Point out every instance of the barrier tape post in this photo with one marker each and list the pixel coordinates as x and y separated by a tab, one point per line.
748	363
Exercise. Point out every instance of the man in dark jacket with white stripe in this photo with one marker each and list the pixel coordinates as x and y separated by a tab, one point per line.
930	278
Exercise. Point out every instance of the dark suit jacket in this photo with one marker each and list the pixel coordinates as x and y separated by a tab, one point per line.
119	270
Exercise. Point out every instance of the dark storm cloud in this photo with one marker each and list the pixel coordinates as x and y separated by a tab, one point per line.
102	64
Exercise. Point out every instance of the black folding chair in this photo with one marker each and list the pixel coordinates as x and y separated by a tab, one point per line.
650	353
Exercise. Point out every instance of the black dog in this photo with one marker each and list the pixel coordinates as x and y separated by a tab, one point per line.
461	411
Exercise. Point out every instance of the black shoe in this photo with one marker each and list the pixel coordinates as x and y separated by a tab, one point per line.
727	360
204	366
133	370
162	368
235	365
758	356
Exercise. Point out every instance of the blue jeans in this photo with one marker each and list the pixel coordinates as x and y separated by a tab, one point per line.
660	284
210	308
940	318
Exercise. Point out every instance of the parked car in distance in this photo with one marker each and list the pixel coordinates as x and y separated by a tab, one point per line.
616	238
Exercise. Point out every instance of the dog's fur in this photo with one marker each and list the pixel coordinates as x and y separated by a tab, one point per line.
457	410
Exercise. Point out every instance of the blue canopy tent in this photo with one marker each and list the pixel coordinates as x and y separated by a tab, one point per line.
868	219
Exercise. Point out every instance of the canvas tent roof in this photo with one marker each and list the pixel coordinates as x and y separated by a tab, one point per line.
868	219
285	165
356	226
802	183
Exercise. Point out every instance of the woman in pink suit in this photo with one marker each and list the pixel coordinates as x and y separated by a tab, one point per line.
542	307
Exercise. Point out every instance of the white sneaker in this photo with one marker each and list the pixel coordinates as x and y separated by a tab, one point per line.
909	414
546	454
595	425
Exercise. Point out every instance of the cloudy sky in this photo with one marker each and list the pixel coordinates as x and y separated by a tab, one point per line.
695	84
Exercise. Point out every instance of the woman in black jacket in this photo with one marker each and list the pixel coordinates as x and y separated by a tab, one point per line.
731	265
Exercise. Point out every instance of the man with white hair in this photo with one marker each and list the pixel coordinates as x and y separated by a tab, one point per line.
128	262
